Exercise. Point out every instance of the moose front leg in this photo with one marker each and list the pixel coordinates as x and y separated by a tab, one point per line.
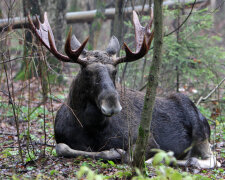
112	154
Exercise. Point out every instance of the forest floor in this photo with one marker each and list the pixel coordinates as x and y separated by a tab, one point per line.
39	156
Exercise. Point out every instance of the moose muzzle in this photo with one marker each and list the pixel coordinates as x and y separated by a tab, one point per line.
109	104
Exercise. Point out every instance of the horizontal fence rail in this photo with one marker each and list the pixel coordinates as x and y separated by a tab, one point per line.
88	16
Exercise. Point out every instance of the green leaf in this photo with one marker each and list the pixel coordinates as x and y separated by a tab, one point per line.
52	172
112	163
176	176
29	168
158	158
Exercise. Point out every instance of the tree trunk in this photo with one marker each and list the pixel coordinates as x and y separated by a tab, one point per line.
56	10
144	128
180	11
56	15
118	20
26	68
145	59
118	29
95	26
219	18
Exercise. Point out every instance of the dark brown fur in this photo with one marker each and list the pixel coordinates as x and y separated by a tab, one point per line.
177	123
92	120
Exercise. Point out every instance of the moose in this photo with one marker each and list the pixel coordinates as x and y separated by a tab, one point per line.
101	120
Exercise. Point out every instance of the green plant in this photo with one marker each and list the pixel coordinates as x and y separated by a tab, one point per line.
195	55
30	156
161	160
162	157
88	174
7	152
52	172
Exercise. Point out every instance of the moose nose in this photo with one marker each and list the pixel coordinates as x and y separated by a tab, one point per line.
109	111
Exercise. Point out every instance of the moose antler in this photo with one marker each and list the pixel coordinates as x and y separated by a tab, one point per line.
44	33
143	39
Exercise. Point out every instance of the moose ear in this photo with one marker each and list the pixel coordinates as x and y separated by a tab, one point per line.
113	46
75	44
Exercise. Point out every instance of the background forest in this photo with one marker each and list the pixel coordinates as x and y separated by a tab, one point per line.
33	84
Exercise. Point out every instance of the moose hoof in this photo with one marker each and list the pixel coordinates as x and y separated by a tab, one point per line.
63	150
112	154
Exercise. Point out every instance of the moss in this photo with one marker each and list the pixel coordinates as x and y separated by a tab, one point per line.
141	132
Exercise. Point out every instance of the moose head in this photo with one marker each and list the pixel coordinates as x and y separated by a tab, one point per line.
98	68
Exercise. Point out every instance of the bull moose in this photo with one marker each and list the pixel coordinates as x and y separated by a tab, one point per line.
101	121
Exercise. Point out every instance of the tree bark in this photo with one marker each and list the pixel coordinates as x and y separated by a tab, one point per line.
26	68
118	20
145	59
219	18
118	29
95	26
144	128
56	10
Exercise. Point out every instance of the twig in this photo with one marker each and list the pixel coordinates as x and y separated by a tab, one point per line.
143	6
183	21
205	98
30	113
44	128
14	110
4	92
17	58
218	7
55	99
214	100
29	140
35	143
8	134
143	87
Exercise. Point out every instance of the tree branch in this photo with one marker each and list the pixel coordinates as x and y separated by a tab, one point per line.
206	97
183	21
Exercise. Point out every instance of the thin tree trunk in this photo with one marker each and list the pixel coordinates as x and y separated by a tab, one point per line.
12	99
144	128
219	18
118	28
143	72
180	11
145	59
25	71
118	20
56	10
95	26
177	59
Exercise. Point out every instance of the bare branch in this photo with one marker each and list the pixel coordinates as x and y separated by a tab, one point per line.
183	21
205	98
